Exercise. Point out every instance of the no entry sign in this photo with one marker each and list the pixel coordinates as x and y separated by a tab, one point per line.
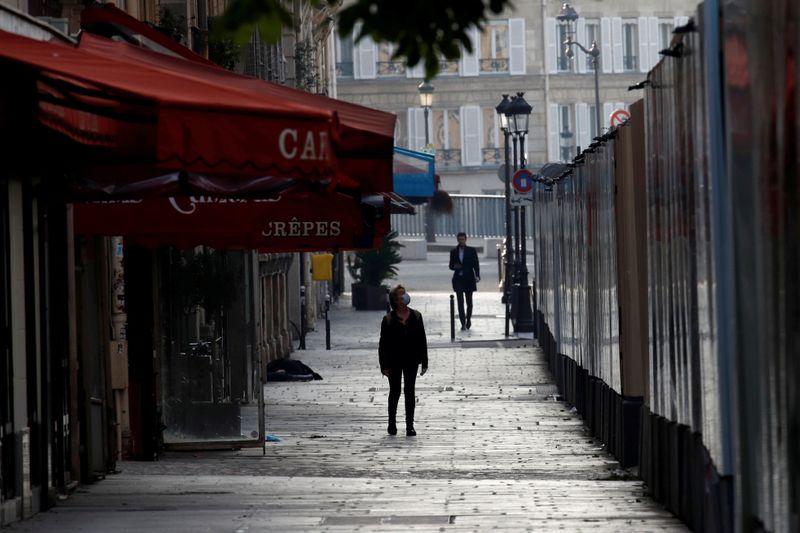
618	117
522	181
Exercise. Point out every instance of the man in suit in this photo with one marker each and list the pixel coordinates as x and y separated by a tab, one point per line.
466	273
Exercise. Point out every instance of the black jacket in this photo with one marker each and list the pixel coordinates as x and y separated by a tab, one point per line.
403	345
464	278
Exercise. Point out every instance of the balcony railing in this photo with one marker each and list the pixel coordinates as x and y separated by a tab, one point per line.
499	64
448	157
391	68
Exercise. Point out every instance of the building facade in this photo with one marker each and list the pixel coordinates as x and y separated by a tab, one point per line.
517	51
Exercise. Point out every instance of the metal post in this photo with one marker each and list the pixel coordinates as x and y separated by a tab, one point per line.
452	318
327	322
524	315
430	221
507	284
302	317
596	64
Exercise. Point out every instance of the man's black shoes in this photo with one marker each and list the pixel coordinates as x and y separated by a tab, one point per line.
469	323
392	429
411	433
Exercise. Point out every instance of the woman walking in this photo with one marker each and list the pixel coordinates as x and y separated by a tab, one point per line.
403	348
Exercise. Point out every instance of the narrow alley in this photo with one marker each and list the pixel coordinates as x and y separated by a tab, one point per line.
496	448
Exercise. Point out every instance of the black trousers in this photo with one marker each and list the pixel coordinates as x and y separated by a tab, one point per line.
409	378
460	296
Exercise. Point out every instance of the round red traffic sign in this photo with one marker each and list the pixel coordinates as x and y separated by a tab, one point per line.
522	181
618	117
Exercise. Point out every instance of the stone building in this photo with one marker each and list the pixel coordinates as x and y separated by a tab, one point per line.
517	51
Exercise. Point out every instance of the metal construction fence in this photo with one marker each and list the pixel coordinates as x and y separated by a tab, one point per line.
476	215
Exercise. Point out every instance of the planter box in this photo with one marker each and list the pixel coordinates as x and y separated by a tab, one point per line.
369	298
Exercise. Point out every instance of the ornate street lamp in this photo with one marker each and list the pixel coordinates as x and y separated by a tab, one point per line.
519	112
502	111
426	101
570	16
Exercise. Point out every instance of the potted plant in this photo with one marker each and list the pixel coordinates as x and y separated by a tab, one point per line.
370	269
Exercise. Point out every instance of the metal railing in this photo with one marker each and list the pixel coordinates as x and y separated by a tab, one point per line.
476	215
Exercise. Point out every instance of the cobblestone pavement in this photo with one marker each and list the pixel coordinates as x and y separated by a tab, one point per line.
495	451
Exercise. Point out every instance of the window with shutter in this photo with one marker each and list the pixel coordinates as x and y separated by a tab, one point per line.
447	125
471	136
565	64
416	128
579	59
616	40
494	49
644	45
553	138
592	34
344	56
365	56
606	46
566	133
516	33
492	148
470	61
653	36
551	52
582	124
630	45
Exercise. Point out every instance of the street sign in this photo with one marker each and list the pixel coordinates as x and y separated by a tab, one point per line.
522	181
618	117
521	186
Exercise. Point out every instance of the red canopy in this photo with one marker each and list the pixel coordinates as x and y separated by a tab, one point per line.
147	122
296	220
365	148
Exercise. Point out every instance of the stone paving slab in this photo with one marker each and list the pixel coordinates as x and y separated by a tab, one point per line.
495	451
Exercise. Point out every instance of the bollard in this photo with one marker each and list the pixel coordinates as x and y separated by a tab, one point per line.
327	322
302	317
452	318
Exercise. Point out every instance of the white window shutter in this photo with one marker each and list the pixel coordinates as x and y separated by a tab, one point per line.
616	41
582	125
644	45
681	21
553	138
608	108
356	62
652	34
580	57
366	54
416	128
417	71
471	136
470	62
607	58
551	53
516	45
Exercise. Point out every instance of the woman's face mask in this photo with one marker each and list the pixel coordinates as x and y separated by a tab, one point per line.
405	298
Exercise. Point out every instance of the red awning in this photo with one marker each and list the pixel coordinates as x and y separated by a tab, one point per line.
295	220
365	148
146	123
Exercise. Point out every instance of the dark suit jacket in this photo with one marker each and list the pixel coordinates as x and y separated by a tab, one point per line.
464	277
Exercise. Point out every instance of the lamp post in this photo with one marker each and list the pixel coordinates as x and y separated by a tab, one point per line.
426	100
502	111
519	112
570	16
